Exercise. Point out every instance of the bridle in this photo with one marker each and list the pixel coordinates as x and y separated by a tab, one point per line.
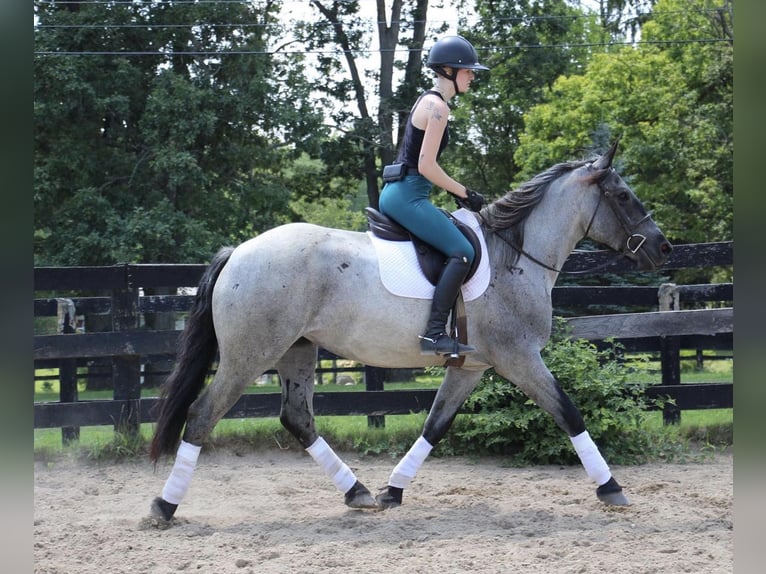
627	226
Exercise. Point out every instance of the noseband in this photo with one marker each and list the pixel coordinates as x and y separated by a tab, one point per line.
633	243
628	227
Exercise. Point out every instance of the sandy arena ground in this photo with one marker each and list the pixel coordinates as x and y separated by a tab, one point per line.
274	512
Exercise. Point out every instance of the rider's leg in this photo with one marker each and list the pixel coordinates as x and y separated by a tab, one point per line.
407	202
435	339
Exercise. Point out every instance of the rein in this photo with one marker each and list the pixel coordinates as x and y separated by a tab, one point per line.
626	226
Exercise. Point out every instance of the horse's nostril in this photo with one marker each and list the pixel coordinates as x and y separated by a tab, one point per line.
666	248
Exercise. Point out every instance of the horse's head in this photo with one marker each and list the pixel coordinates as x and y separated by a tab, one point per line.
625	225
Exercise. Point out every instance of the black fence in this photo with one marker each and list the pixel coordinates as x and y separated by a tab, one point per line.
129	299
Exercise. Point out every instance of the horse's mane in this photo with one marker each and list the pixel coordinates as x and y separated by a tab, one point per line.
507	215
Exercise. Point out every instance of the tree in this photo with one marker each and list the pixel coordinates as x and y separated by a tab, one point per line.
366	140
162	129
339	209
527	44
621	18
670	98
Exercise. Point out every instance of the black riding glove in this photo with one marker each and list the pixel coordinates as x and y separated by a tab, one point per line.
473	200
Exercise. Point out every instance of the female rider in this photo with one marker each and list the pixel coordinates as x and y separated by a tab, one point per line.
426	134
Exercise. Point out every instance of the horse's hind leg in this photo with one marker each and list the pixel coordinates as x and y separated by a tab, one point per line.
204	413
296	370
540	385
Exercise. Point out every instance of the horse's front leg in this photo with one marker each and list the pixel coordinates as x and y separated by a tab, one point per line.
537	382
296	371
452	393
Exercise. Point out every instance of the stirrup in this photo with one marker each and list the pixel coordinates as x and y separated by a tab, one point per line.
443	344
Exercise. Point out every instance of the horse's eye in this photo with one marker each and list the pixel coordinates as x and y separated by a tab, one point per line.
624	196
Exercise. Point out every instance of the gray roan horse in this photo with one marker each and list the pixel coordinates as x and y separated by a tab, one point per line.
274	300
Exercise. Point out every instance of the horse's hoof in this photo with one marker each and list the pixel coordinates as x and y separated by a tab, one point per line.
390	497
162	509
160	516
614	499
611	493
359	497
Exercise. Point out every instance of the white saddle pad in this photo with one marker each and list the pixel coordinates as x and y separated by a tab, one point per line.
400	271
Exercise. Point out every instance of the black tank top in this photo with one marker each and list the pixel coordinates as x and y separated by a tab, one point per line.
409	151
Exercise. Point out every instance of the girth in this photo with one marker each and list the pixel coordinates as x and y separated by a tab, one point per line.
431	260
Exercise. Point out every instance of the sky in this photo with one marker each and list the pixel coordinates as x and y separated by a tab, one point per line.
440	12
301	9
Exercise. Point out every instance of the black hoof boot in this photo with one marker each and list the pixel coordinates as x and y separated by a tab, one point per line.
163	509
443	344
359	497
389	497
611	493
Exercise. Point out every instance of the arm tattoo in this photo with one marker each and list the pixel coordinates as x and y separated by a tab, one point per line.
435	113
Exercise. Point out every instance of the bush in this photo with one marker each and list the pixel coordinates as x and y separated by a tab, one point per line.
509	423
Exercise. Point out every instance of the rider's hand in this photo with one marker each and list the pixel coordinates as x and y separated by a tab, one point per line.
473	200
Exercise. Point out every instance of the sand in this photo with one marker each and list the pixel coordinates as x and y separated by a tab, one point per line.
275	512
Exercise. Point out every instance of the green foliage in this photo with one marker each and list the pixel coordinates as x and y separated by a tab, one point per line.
345	433
670	99
163	157
323	200
122	446
511	424
167	156
329	212
489	120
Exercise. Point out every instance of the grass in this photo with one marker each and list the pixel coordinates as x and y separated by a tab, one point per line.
704	428
48	391
347	433
646	368
716	368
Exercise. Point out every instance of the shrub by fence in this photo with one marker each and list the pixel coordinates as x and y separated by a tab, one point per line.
124	294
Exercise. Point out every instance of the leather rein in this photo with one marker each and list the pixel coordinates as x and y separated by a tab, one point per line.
626	225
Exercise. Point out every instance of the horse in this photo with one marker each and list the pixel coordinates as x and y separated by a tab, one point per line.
275	299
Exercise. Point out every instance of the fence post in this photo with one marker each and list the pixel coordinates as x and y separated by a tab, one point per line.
373	381
126	369
670	351
67	322
156	368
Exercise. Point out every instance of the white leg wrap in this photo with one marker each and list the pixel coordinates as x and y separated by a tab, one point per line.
181	475
338	471
405	471
591	458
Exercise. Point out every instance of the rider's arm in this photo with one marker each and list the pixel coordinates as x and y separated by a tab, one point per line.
433	113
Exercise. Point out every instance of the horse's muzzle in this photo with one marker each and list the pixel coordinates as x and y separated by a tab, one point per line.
648	253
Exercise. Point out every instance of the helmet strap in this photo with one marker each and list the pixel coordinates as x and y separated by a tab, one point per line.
442	71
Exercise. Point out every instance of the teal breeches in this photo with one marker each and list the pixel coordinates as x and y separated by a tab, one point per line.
407	202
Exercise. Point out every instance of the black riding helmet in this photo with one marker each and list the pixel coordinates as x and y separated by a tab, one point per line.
453	52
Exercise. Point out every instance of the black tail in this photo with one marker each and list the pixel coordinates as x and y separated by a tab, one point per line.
196	350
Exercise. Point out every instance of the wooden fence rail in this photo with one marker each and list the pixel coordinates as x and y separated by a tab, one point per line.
128	343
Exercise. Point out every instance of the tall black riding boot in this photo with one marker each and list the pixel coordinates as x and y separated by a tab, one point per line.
435	341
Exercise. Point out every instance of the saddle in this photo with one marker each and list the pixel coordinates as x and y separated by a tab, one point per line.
431	260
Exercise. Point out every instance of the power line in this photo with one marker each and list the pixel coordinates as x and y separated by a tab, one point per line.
152	2
524	18
359	51
149	26
159	26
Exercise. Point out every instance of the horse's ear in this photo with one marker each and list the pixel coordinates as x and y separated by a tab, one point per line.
605	161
